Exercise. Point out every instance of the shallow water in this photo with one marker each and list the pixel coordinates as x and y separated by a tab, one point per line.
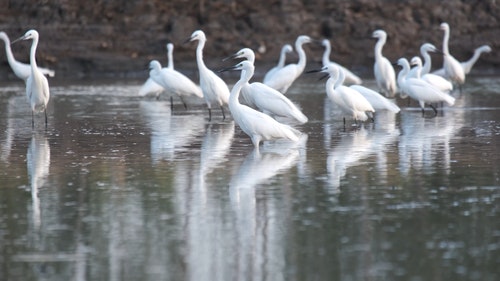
121	188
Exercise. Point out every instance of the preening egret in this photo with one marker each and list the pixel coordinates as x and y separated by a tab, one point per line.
377	101
37	86
452	68
350	101
467	65
435	80
173	82
283	78
383	70
21	70
257	125
287	48
215	90
419	89
265	98
350	78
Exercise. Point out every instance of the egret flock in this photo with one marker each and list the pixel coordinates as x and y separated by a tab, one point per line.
255	106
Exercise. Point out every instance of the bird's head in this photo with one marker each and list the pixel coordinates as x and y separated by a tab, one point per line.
379	33
30	34
245	53
154	65
197	35
444	26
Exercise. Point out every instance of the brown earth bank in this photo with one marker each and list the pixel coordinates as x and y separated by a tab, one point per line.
100	38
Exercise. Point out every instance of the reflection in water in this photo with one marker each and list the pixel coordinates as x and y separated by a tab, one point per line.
424	142
38	162
170	133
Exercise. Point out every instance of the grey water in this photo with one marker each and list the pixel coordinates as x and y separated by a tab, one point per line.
120	187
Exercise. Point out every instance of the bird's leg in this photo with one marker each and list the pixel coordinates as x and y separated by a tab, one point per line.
32	120
344	124
171	103
45	118
223	115
434	108
209	114
184	103
423	112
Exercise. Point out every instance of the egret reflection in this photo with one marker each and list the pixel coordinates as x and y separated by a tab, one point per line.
38	162
170	134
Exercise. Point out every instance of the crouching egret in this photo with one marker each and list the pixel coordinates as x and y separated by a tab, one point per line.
37	86
213	87
419	89
382	69
283	78
350	101
265	98
257	125
173	82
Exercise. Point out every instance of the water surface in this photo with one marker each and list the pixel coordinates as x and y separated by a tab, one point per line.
120	187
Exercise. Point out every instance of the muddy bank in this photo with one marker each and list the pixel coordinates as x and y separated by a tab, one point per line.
118	38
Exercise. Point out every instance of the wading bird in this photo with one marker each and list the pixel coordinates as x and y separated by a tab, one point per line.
467	65
283	78
37	86
287	48
452	68
350	78
257	125
215	90
382	69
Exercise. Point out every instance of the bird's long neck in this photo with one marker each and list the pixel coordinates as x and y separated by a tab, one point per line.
446	38
302	56
340	79
474	58
427	62
32	55
170	56
282	59
402	74
378	47
326	54
418	70
8	50
331	83
199	54
235	91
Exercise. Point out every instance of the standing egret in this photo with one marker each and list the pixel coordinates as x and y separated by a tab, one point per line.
37	86
21	70
383	70
287	48
424	51
173	82
350	78
467	65
435	80
213	87
283	78
452	68
257	125
349	100
419	89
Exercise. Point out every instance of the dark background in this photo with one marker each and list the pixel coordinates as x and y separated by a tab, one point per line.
118	38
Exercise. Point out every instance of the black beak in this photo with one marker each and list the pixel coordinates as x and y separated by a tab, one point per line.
228	69
313	71
18	39
187	40
230	57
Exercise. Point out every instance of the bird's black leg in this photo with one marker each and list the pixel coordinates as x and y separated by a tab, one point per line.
46	122
171	103
223	115
434	108
423	112
32	120
209	114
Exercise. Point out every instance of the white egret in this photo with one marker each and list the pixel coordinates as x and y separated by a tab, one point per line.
283	78
420	90
424	51
350	101
287	48
173	82
452	68
377	101
150	86
435	80
350	78
257	125
265	98
383	70
213	87
467	65
37	86
21	70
